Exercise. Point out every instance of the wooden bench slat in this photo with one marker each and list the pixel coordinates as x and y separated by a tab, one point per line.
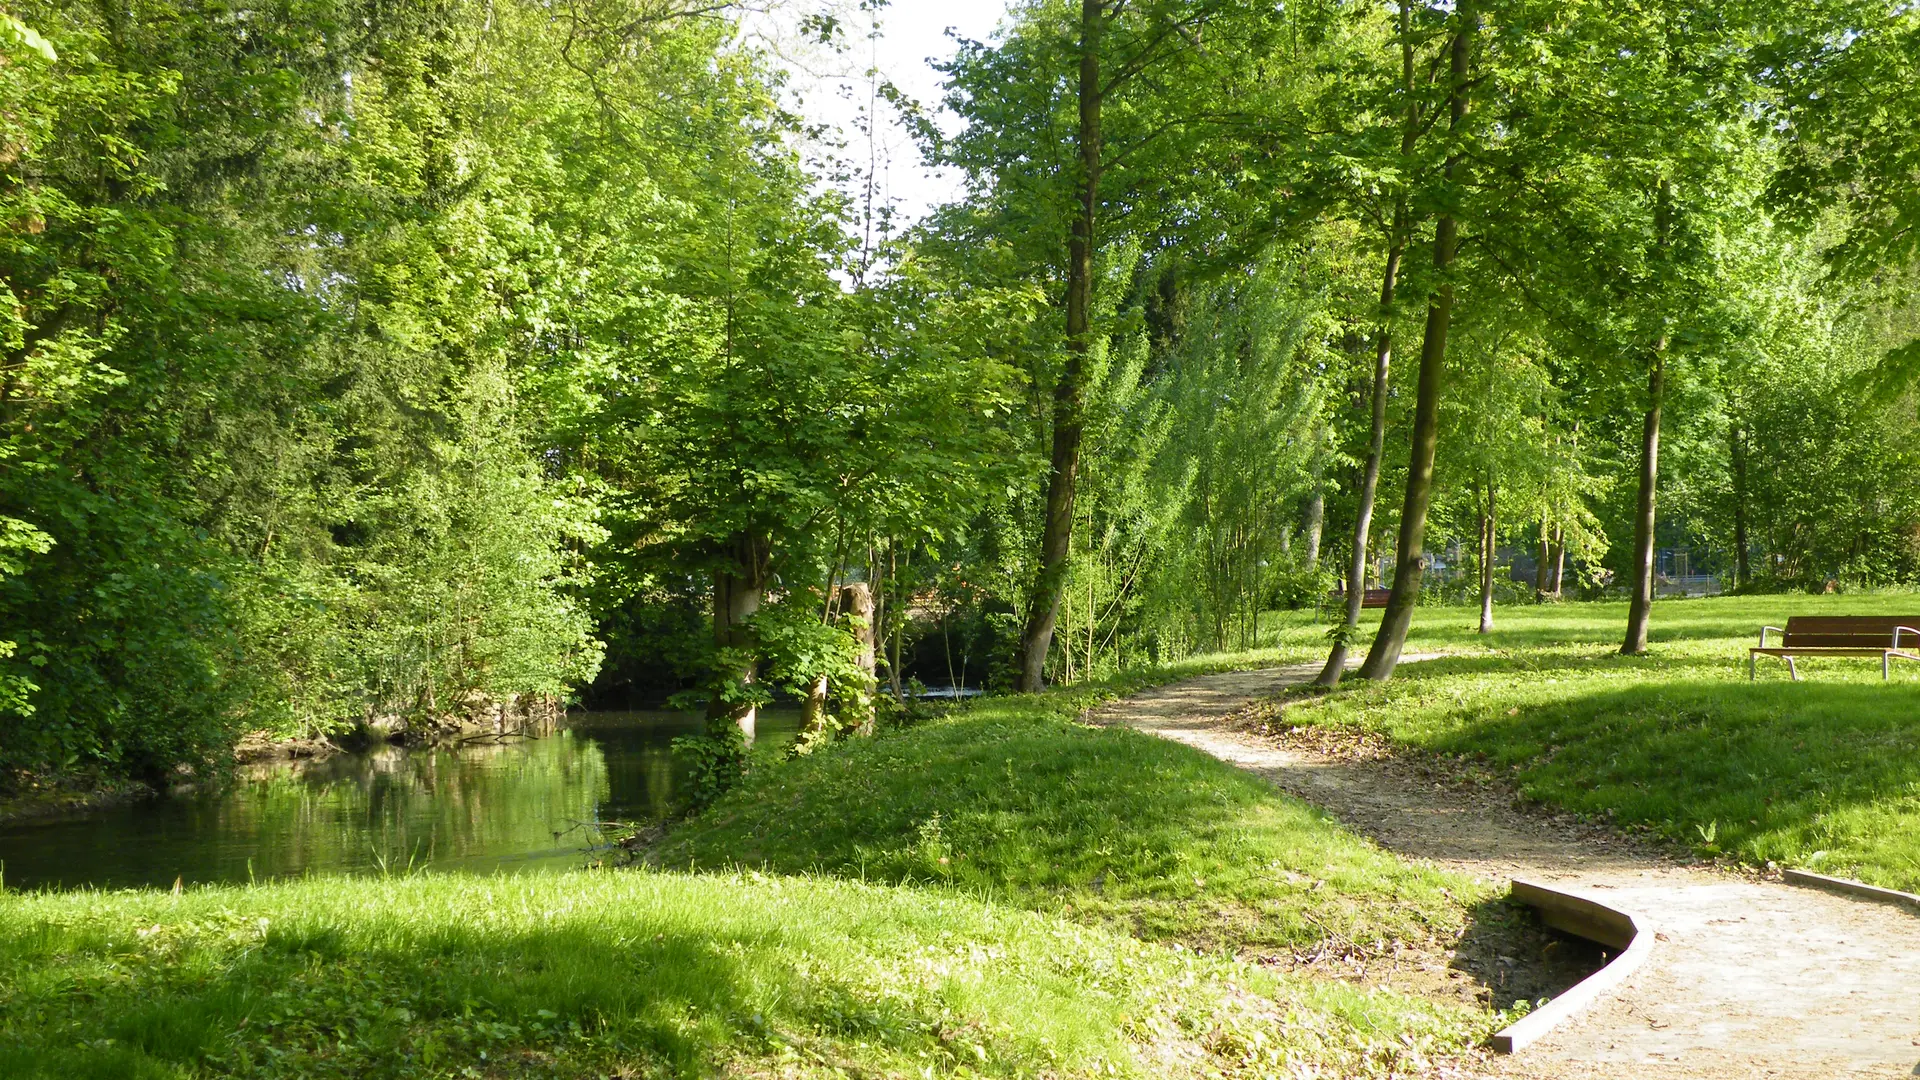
1372	598
1850	624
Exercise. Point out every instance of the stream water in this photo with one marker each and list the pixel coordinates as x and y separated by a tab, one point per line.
522	805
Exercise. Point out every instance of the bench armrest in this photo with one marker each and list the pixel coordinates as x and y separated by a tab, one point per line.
1898	630
1782	633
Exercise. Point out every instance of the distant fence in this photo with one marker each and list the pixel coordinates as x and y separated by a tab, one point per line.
1686	585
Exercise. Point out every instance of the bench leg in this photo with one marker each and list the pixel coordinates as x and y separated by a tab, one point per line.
1751	658
1792	669
1886	667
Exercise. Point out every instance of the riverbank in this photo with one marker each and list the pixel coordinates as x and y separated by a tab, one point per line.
29	796
33	798
663	972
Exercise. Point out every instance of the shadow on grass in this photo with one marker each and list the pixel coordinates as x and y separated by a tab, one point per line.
311	1001
139	989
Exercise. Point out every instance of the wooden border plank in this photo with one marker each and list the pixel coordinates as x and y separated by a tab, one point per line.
1588	918
1859	890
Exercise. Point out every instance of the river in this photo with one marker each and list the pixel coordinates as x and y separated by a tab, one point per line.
526	805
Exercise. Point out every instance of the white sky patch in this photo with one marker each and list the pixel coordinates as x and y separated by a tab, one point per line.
832	87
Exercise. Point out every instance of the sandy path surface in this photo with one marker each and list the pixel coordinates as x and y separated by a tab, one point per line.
1748	978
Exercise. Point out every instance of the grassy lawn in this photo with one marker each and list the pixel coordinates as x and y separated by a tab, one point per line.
1823	774
999	891
1006	854
1013	801
642	974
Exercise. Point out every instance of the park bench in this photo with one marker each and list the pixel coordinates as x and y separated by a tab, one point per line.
1888	637
1374	598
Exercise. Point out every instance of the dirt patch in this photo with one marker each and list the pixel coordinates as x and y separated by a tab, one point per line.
1435	807
1505	957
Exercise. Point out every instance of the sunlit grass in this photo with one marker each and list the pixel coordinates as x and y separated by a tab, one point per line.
1823	774
1011	799
911	957
640	974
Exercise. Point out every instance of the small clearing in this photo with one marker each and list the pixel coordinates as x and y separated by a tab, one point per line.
1749	977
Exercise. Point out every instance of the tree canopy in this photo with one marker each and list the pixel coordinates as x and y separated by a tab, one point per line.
369	365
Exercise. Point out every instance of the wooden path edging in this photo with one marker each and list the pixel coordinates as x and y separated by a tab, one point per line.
1859	890
1590	919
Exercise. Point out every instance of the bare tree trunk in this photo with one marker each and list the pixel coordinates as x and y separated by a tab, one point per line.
813	712
1069	406
1489	551
1742	572
1559	560
1410	561
858	602
1336	664
1540	564
738	587
1316	517
1640	611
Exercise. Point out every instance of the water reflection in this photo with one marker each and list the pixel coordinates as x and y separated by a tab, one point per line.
479	808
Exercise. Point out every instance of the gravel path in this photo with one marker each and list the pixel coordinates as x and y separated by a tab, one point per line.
1749	978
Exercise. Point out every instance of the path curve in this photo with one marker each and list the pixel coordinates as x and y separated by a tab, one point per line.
1750	978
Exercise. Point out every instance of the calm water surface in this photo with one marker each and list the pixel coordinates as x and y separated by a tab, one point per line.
525	805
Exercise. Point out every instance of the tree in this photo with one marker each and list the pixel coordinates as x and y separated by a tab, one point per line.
1143	62
1410	553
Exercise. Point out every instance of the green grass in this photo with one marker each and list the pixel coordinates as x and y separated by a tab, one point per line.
1822	774
594	975
925	968
1013	801
641	974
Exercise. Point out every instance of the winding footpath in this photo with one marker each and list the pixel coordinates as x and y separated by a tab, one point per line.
1748	978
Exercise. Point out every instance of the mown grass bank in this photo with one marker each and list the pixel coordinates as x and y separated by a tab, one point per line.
639	974
1822	774
1012	800
924	969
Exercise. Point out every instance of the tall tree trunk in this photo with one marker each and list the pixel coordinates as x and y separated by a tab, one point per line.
1559	559
1640	611
738	587
886	570
859	603
1069	404
1316	517
1540	564
1742	572
1336	664
1488	553
1410	556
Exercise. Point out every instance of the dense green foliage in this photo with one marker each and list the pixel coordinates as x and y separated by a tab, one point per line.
370	366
